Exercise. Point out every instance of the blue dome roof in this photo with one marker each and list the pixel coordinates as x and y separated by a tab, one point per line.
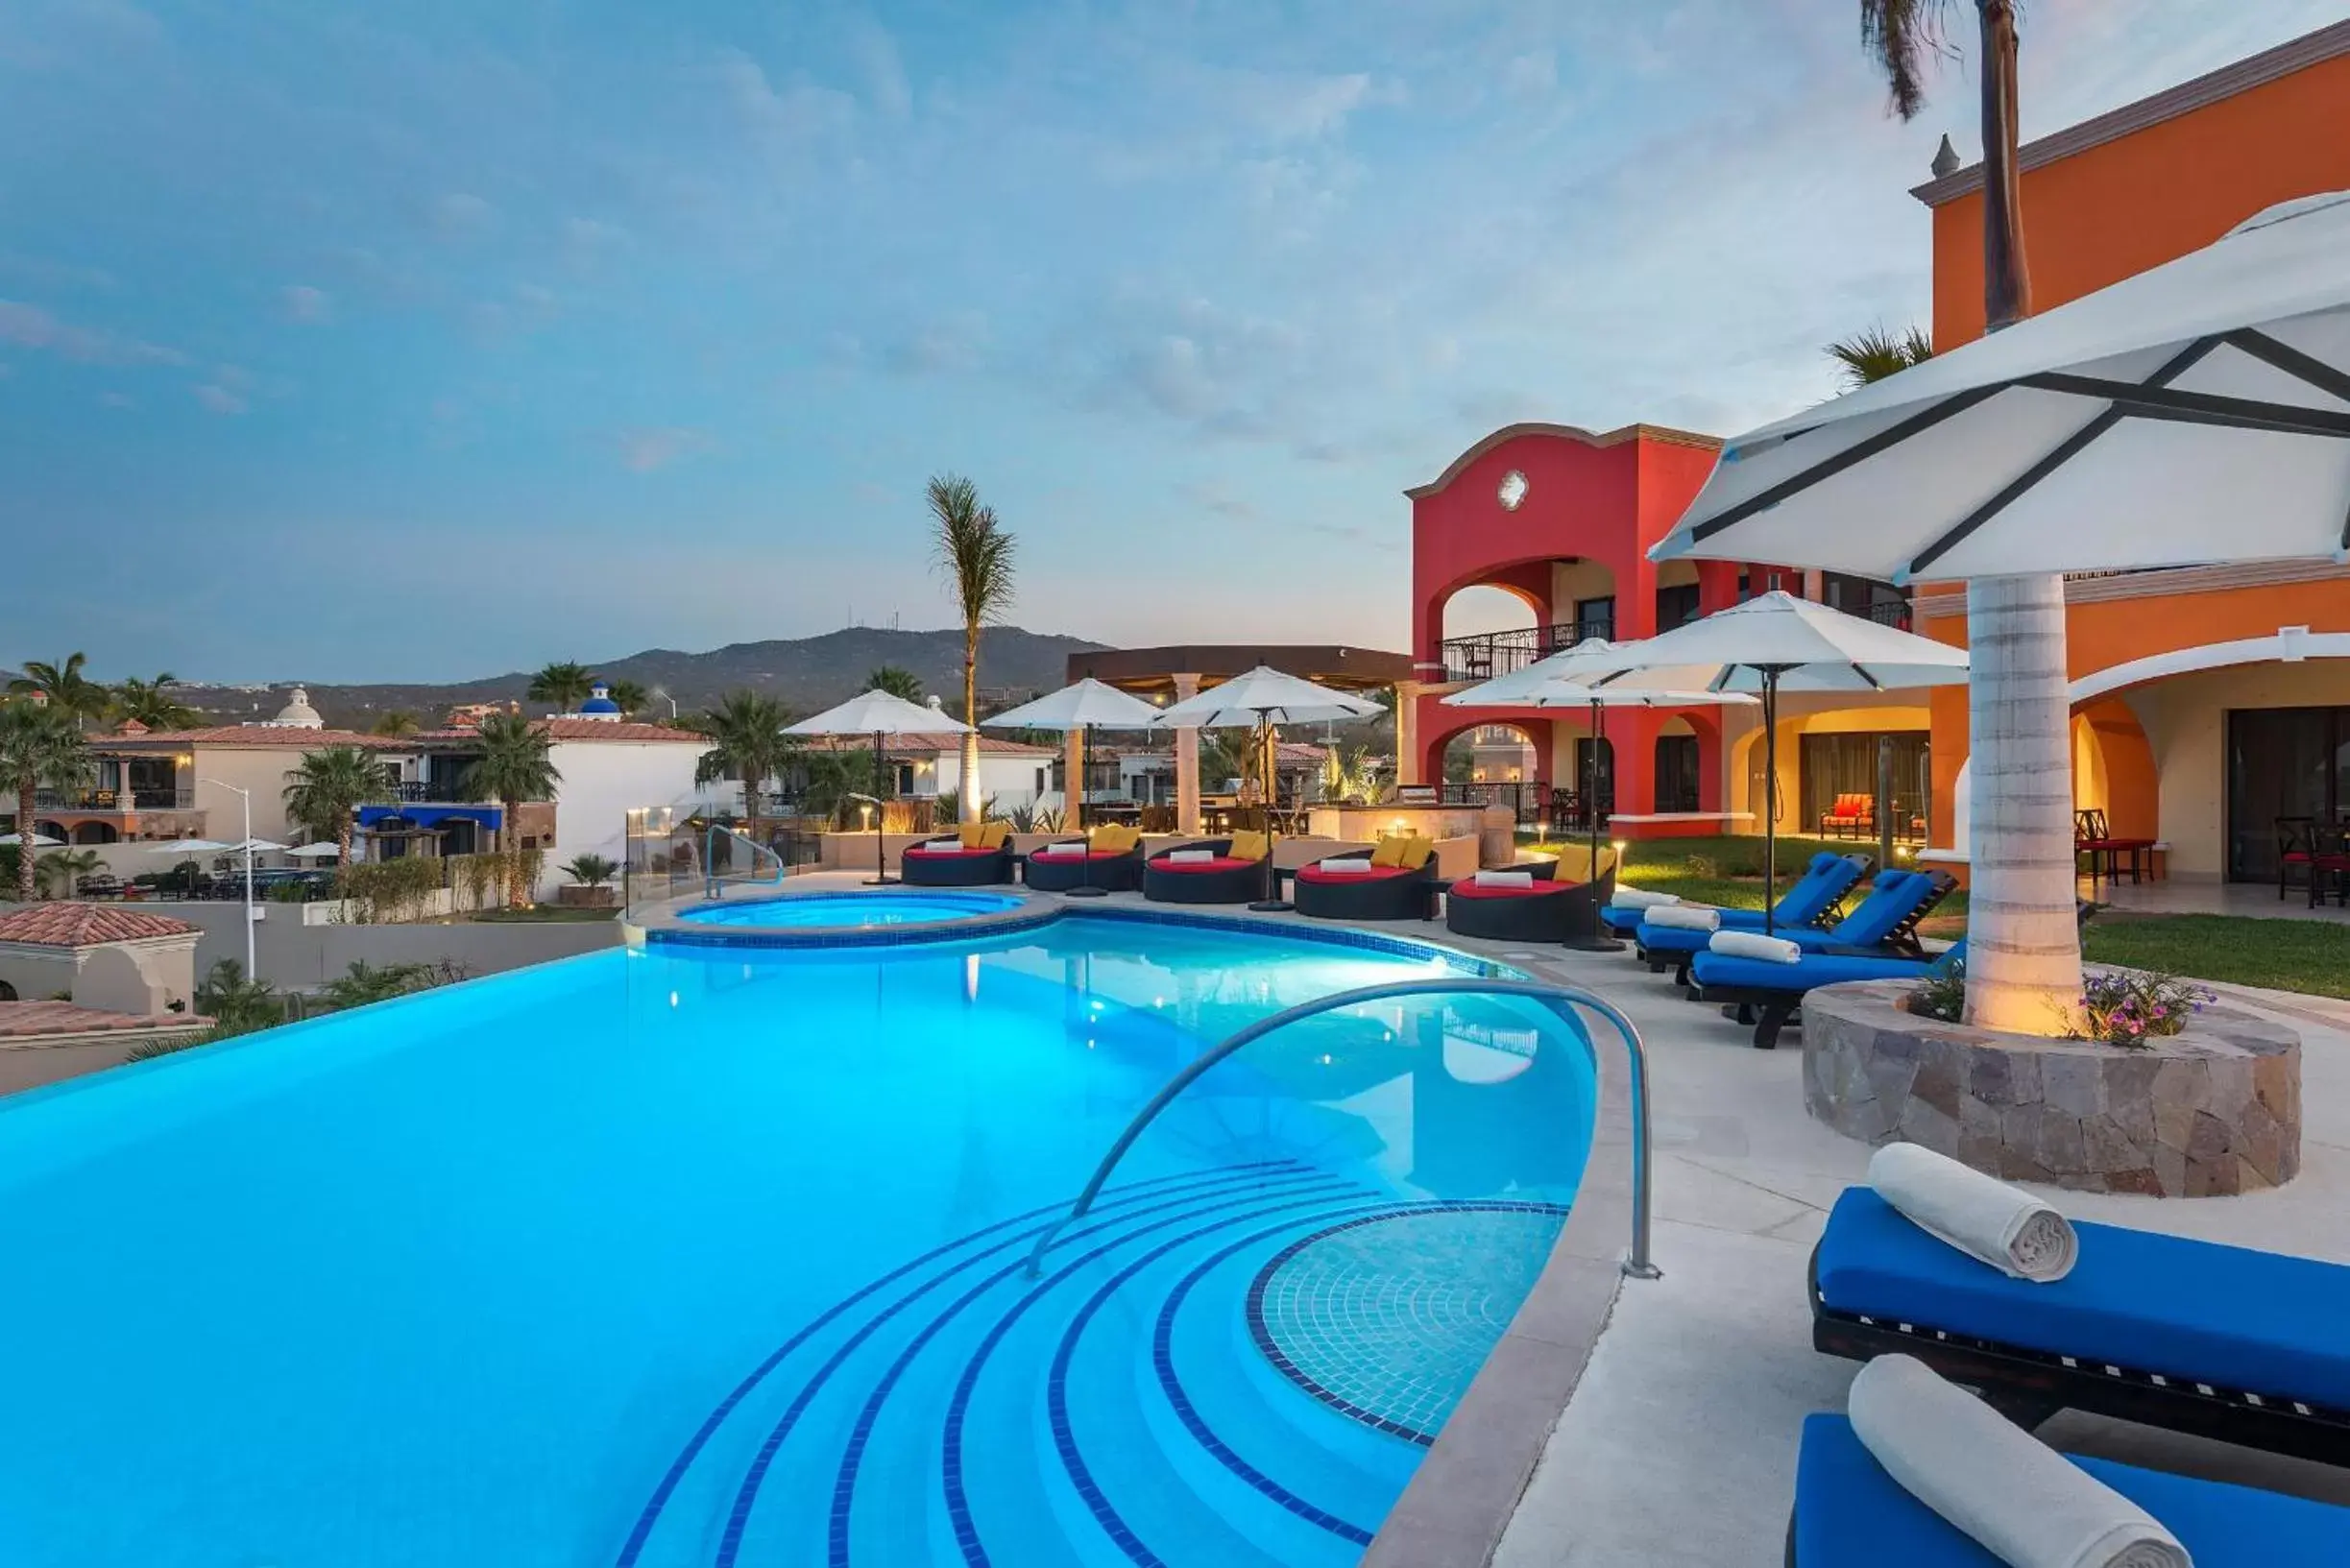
599	701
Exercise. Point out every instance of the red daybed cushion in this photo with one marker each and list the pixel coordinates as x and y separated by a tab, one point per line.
1339	878
919	853
1222	862
1466	888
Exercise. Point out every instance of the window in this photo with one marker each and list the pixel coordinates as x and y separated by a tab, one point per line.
1677	772
1596	618
2282	763
1676	606
1846	765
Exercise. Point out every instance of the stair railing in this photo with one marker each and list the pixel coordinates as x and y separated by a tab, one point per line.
714	881
1559	999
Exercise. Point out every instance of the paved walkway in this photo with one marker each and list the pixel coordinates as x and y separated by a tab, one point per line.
1679	1448
2184	895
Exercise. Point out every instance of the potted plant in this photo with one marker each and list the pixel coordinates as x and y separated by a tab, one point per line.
591	886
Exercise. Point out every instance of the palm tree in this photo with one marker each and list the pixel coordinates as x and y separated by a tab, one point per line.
1877	352
630	696
39	746
747	743
326	789
2024	975
975	554
64	689
896	679
514	766
63	869
563	685
394	721
152	704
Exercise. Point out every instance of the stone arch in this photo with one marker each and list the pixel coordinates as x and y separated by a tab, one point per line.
96	833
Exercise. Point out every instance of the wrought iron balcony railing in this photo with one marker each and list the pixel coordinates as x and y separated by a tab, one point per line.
1489	654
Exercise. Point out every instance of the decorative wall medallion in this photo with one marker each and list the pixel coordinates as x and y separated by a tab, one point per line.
1513	490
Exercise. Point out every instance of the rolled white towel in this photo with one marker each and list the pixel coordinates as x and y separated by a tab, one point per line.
942	843
1980	1216
1056	851
1346	863
1190	857
1505	879
1776	949
1688	917
1635	898
2021	1500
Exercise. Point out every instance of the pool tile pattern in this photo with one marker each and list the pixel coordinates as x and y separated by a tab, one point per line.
1386	1319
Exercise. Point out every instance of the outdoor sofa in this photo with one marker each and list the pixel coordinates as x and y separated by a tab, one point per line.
978	854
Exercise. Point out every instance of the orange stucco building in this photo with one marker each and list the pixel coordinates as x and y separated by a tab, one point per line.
2209	701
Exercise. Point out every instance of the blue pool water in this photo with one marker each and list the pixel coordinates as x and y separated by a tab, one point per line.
689	1256
864	908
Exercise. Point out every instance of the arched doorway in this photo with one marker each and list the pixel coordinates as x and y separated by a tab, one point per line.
96	833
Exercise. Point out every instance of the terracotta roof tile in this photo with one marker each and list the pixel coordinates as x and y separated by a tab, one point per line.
283	737
27	1020
64	925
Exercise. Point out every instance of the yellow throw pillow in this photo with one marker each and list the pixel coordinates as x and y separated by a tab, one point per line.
1248	847
1416	853
1389	851
972	835
994	835
1111	838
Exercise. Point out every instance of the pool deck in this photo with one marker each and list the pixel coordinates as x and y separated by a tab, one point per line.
1677	1448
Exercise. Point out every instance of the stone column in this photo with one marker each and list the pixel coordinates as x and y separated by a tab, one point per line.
1815	586
1408	769
1187	762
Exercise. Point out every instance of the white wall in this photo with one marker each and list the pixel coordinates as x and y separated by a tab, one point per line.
1010	780
602	779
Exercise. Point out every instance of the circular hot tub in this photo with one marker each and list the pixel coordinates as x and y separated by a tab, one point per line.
850	917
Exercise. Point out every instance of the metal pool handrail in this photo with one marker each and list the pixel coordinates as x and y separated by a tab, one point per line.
712	884
1559	999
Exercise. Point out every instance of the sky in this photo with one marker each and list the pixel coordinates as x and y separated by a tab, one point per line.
348	341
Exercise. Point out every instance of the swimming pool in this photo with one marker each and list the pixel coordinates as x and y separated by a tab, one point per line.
688	1256
894	907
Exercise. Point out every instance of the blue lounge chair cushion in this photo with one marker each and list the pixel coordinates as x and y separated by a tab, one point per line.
1849	1513
2260	1322
1823	882
1730	969
1891	898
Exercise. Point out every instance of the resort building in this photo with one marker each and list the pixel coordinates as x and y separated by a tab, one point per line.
2212	704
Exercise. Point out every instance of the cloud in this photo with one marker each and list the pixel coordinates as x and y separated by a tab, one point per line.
643	451
779	121
219	399
1534	73
876	54
459	214
29	326
302	302
948	345
1212	498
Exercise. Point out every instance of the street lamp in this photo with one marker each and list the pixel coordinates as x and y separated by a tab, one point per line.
246	845
666	697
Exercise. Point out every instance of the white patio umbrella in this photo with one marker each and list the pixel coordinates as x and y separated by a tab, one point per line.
322	850
1777	642
1552	691
1083	707
880	714
1264	698
40	840
2194	412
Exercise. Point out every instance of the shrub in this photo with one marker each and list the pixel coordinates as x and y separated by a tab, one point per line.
1942	997
591	870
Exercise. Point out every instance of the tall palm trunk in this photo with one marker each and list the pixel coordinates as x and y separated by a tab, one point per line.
750	802
967	802
2023	947
26	886
342	842
513	862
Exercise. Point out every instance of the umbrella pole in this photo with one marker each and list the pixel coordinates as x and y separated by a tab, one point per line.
881	843
1770	795
1598	941
1085	889
1271	763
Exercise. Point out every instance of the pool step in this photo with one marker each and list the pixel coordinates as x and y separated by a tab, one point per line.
1101	1416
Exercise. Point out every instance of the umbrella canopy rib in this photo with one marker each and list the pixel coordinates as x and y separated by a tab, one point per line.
1860	451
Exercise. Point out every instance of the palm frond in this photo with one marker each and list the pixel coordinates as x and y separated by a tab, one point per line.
1907	37
1873	355
972	551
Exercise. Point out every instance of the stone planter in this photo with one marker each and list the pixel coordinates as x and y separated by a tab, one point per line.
573	896
2211	1112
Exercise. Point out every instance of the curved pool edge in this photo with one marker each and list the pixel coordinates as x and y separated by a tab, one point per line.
1459	1502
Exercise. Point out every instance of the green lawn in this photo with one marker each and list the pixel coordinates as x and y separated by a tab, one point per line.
1727	872
2311	956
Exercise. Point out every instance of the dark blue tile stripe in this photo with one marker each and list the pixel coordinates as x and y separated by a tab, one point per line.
959	1408
746	1495
1129	1194
1272	1352
1057	1388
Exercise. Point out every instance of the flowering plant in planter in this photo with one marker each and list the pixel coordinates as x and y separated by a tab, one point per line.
2126	1008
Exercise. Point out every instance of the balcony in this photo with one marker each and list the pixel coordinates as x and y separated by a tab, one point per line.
1489	654
1894	612
159	798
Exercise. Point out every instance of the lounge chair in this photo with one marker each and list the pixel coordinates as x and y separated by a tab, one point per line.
1111	859
1849	1513
1222	878
1812	900
1852	816
1548	910
1770	995
1882	924
977	855
1377	893
2223	1341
